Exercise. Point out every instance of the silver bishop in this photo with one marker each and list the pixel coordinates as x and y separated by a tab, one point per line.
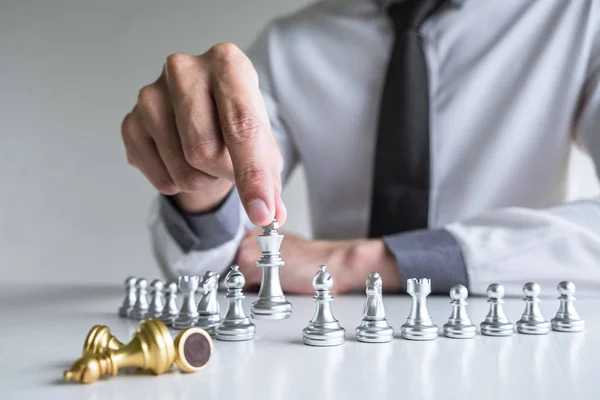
323	329
236	326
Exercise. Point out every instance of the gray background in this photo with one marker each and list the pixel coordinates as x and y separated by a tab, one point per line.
70	207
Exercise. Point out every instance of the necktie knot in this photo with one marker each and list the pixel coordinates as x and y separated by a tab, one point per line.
408	15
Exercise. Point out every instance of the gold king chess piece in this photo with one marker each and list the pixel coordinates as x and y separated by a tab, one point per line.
99	340
151	349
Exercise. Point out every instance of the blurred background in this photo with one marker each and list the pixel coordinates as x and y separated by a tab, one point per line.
71	209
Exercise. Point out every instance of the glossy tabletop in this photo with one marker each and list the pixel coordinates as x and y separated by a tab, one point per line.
42	332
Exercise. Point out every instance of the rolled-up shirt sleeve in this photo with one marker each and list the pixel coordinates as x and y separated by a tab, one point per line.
191	244
432	254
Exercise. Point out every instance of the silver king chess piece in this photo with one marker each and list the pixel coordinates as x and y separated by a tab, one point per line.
271	303
419	325
130	297
140	308
532	321
156	299
496	323
236	326
323	329
170	310
567	319
188	314
459	324
374	327
209	315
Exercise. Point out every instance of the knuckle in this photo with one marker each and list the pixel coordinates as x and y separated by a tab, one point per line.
225	53
251	175
178	63
148	95
128	128
203	154
242	124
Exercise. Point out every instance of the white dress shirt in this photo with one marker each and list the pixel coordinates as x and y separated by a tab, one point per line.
513	86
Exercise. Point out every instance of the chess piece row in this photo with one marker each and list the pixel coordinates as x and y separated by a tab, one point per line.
234	326
325	330
151	349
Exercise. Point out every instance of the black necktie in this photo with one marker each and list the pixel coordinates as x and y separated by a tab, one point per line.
401	178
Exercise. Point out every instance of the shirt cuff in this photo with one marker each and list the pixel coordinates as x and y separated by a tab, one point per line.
433	254
202	231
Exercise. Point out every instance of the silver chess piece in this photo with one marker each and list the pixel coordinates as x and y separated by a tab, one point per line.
374	327
140	308
209	316
156	299
419	325
567	319
130	297
532	321
459	324
188	314
236	326
496	323
170	310
271	303
323	329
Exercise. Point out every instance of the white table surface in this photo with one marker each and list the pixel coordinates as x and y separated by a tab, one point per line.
42	332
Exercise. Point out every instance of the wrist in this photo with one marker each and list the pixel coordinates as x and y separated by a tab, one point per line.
363	256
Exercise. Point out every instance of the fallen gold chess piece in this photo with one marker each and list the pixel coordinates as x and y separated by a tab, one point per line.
152	349
99	340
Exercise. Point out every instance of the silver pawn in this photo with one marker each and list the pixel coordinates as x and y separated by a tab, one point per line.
567	319
209	315
156	299
374	327
170	310
496	323
459	324
130	297
419	325
323	329
140	308
271	303
187	313
532	321
236	326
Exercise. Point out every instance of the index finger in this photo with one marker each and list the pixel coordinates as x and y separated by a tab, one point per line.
246	131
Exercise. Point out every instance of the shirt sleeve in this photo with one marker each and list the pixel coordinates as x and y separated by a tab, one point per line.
433	254
191	244
516	245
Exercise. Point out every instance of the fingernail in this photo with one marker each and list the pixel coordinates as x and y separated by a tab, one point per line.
259	212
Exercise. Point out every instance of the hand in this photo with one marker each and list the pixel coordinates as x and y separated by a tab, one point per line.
348	261
201	127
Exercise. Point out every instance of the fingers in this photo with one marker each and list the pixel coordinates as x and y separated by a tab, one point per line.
246	132
196	116
142	153
157	118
